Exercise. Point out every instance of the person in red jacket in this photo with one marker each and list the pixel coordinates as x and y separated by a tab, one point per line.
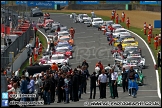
100	65
128	22
117	18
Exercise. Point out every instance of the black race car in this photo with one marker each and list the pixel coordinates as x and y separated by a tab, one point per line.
36	12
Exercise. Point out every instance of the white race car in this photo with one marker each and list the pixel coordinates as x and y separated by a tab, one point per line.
44	60
97	21
59	59
135	59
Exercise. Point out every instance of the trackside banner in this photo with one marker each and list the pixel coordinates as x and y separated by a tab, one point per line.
87	2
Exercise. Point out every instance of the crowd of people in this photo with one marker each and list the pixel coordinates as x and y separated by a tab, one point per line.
69	84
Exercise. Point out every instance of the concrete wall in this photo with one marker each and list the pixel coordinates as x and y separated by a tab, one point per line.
21	57
146	8
115	6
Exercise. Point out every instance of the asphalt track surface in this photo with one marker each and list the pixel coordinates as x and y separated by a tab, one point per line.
92	45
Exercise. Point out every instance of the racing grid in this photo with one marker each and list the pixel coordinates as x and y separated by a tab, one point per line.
92	45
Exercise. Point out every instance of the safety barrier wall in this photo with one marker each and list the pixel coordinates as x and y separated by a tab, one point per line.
115	6
21	57
17	46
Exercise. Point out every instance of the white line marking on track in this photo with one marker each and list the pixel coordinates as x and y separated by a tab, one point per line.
157	75
86	42
85	37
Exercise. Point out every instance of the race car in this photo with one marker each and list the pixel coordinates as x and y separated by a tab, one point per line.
66	38
64	28
62	33
88	21
96	22
137	69
64	44
118	59
44	24
120	40
59	59
116	49
73	15
131	49
36	12
129	42
116	26
63	50
44	59
135	58
54	27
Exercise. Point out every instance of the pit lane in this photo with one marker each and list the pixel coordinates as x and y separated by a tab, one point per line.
91	44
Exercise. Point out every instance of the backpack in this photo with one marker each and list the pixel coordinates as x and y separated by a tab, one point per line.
131	75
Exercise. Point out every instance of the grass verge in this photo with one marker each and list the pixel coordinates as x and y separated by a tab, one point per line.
133	29
44	44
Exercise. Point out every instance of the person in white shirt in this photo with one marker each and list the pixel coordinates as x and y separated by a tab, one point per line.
114	78
36	87
15	90
108	68
102	82
27	75
93	14
17	73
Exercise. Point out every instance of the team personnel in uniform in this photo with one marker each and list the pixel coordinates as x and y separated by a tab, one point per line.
111	39
159	58
30	61
156	42
124	80
117	19
114	78
102	82
112	15
93	85
72	32
123	17
40	47
37	42
145	28
149	37
159	39
128	22
35	54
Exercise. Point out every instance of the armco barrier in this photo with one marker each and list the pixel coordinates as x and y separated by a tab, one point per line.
17	46
21	57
